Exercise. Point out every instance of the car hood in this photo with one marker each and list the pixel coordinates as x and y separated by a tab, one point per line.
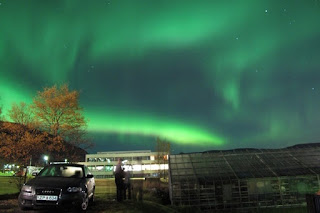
55	182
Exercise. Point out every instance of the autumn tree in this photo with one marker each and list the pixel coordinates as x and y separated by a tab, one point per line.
19	144
0	113
22	114
163	151
53	124
59	113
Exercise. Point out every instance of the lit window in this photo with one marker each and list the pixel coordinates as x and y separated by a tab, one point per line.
99	168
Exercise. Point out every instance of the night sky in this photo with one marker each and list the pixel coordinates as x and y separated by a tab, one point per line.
202	74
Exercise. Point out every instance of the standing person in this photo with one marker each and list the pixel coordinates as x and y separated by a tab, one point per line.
118	178
127	184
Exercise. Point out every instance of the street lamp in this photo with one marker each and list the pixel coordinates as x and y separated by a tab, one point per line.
46	158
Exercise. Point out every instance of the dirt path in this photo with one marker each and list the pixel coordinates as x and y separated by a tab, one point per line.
100	206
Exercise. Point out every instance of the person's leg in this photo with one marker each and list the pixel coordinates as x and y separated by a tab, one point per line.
125	191
140	194
129	191
119	189
118	194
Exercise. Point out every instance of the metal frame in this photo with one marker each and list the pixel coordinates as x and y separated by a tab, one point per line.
245	178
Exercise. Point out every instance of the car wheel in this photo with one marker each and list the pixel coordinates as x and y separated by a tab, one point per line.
85	203
91	201
22	206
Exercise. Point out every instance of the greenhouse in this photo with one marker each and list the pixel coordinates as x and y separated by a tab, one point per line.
245	178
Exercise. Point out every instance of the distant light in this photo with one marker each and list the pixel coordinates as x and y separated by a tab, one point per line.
266	11
45	158
99	168
66	160
137	167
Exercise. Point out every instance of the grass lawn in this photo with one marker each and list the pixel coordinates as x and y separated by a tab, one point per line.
6	173
105	200
8	185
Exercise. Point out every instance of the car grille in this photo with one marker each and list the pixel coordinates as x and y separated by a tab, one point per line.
47	191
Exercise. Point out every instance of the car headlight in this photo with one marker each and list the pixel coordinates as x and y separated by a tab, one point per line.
27	190
74	189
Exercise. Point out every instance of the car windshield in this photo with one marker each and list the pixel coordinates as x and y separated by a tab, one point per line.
62	171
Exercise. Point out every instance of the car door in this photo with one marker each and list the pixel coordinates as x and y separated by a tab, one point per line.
90	181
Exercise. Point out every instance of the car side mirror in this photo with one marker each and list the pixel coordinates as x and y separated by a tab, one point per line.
89	175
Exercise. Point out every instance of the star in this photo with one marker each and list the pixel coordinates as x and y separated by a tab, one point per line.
312	88
266	11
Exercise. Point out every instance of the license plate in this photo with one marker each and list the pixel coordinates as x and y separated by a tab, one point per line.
47	197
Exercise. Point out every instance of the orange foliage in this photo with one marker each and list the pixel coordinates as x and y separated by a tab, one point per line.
58	110
21	114
19	143
58	130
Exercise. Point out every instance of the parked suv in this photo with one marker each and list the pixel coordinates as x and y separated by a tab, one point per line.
59	185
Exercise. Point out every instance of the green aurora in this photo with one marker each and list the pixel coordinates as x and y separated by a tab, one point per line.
202	74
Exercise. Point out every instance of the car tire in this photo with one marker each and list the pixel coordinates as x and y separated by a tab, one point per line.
91	201
22	207
85	203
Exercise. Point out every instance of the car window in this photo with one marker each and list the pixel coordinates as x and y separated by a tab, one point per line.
62	171
86	172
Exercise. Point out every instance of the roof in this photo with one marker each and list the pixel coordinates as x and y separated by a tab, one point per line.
125	152
65	164
297	160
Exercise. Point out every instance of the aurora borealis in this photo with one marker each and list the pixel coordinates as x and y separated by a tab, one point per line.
202	74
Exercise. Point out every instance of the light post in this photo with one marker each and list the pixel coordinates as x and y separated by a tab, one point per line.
46	158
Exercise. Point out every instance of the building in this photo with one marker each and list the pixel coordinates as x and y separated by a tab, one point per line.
142	163
245	178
